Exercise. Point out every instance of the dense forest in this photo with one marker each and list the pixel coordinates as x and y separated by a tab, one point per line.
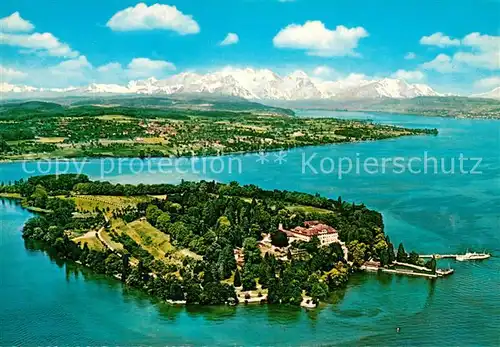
211	220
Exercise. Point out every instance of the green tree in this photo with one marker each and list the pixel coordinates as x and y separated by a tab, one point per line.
113	264
163	221
251	252
432	265
357	252
152	214
237	278
401	256
319	291
248	281
279	239
226	262
414	258
39	197
390	253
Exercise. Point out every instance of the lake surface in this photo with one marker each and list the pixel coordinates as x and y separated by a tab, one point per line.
45	303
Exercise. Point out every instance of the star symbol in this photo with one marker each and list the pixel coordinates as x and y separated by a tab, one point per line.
280	157
262	157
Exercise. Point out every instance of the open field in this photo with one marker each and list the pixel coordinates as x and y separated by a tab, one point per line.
106	203
147	236
307	209
91	240
11	196
51	139
115	117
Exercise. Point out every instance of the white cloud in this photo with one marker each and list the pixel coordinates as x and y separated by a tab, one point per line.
9	74
137	68
487	83
440	40
325	72
485	51
79	71
486	60
72	71
477	51
45	43
409	75
15	23
482	42
442	63
157	16
110	67
410	56
318	40
74	64
145	67
231	39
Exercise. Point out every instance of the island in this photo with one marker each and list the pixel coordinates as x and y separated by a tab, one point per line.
210	243
48	130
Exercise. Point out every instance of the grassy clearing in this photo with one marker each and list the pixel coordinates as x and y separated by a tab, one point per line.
104	202
107	238
152	240
147	236
307	209
51	139
91	240
153	140
188	253
11	196
116	117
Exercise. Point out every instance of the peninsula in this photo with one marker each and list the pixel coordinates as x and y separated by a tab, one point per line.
41	130
206	242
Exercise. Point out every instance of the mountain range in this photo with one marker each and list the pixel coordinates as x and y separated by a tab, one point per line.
492	94
251	84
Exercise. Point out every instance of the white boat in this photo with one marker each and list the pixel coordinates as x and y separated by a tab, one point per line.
472	256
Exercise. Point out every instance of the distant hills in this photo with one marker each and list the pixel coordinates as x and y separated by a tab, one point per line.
492	94
81	105
442	106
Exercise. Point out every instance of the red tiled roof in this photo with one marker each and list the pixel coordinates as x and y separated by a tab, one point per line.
314	230
310	223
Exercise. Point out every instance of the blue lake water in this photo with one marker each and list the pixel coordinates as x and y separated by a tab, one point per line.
439	211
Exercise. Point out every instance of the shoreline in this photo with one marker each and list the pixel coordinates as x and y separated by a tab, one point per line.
407	113
32	160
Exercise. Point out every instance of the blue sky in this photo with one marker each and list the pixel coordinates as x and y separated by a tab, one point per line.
377	38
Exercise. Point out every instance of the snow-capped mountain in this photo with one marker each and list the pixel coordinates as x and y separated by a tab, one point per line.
388	88
95	88
255	84
492	94
11	88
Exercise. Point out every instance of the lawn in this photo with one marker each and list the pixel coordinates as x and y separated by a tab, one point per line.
104	202
11	196
147	236
91	240
308	209
51	139
116	117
